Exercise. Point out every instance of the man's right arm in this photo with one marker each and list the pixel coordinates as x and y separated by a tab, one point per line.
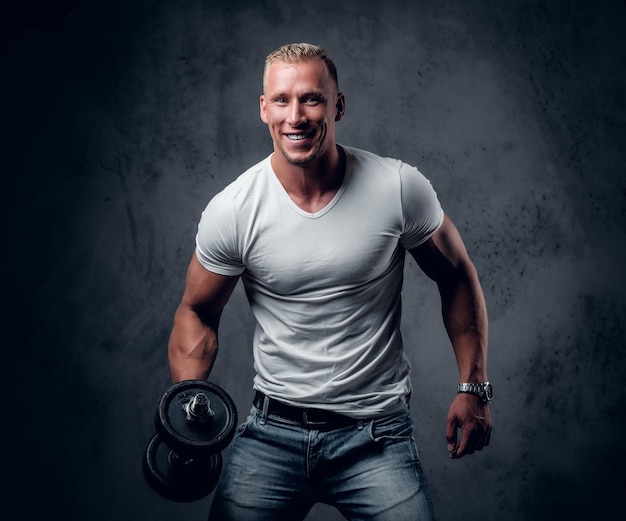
193	341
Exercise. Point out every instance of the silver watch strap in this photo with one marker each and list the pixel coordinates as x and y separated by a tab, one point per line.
472	388
482	390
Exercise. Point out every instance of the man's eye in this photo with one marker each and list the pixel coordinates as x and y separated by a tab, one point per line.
312	101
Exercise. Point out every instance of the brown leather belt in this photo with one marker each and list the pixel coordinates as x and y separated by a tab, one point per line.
305	416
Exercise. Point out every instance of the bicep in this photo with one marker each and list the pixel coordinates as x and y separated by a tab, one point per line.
443	254
206	293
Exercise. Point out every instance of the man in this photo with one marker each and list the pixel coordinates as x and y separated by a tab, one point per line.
318	233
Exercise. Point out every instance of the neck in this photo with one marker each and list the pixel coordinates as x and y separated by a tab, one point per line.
311	187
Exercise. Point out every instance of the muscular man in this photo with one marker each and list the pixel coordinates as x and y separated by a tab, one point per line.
318	233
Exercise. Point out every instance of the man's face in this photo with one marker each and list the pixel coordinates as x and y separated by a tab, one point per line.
300	105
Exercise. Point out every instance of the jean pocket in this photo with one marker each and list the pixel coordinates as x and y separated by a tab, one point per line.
243	427
395	427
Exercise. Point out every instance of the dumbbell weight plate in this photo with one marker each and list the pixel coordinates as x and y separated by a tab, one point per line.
190	437
177	479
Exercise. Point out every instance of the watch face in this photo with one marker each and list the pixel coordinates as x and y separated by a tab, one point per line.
488	392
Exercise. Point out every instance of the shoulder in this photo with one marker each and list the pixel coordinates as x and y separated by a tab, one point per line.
237	196
366	159
393	170
249	182
374	175
404	173
395	180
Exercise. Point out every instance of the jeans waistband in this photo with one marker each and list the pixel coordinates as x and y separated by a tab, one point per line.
305	416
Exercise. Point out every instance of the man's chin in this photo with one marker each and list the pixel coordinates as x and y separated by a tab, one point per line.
301	160
303	163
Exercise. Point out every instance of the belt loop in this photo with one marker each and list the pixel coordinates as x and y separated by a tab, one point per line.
266	404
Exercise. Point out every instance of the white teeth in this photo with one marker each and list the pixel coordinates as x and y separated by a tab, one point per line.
296	137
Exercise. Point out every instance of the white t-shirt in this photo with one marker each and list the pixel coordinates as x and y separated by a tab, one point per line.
325	287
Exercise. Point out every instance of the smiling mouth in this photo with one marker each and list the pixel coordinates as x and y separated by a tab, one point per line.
297	137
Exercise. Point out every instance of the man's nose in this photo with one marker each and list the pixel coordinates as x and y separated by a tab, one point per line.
296	114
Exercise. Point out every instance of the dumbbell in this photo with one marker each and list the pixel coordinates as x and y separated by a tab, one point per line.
194	421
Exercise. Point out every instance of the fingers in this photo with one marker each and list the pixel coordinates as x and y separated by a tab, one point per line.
451	437
473	419
463	446
473	438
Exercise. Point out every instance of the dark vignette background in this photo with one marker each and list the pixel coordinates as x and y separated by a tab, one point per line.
120	119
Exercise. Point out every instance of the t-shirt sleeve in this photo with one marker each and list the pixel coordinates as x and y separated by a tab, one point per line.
216	240
421	210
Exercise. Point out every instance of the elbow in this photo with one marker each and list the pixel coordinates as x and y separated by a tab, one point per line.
461	274
192	346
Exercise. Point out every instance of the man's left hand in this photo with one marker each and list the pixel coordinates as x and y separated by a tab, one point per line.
473	417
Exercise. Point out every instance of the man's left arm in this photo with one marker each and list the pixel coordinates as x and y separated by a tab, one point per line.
445	260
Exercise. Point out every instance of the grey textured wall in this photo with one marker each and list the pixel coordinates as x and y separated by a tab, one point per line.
118	126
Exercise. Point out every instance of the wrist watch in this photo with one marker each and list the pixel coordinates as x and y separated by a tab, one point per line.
483	390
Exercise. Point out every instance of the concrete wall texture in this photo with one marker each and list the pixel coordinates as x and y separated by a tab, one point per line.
120	123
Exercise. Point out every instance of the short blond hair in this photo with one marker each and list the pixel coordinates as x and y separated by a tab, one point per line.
300	52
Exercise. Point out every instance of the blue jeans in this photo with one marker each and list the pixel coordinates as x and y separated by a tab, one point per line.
277	470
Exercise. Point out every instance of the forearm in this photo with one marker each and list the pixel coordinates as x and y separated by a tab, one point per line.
192	346
465	318
445	260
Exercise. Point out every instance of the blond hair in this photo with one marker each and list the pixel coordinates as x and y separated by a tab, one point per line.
300	52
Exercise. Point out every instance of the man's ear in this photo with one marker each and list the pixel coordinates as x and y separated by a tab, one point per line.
340	106
263	109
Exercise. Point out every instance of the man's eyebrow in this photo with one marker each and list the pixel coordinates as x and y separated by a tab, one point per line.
314	94
276	94
309	94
